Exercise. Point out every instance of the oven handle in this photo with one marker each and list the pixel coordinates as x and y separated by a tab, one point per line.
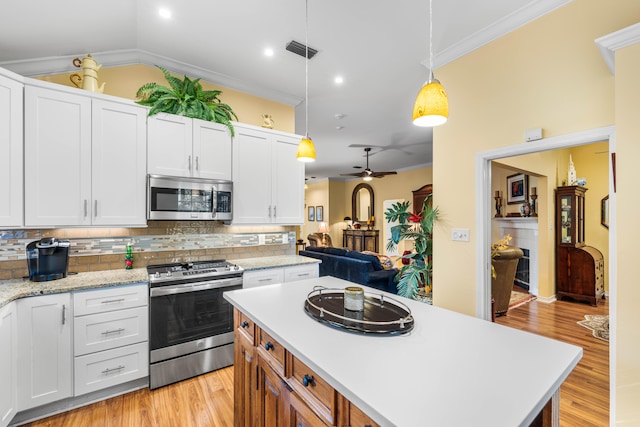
194	287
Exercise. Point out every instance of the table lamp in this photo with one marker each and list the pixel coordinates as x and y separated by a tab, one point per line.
324	229
347	219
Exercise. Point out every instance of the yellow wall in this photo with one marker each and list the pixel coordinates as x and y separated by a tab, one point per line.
627	333
125	81
315	195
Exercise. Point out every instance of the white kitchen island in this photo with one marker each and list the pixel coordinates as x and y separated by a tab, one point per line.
450	370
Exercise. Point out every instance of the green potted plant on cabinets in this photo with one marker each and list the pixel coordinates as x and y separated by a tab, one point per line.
417	228
187	98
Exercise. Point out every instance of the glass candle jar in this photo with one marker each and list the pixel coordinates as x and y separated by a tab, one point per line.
354	298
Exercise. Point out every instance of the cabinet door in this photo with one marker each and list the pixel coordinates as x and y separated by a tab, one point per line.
170	145
44	345
119	164
271	399
211	150
267	276
8	364
57	158
244	379
288	182
251	177
11	122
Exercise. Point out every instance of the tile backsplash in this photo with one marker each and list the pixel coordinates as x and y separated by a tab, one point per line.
161	242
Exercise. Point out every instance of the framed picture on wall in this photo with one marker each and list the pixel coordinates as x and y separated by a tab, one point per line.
319	213
517	188
312	216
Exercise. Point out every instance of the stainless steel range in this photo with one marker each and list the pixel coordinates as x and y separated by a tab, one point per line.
190	323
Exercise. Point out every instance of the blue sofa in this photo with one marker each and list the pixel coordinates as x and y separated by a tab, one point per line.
364	269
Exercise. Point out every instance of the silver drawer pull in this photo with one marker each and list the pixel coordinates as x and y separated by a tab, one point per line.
115	331
110	301
265	280
303	274
108	371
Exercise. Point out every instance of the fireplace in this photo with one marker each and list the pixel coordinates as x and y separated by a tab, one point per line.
524	233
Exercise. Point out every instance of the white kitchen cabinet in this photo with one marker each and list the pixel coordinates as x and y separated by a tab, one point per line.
268	180
181	146
270	276
85	160
111	336
11	154
8	364
118	163
44	345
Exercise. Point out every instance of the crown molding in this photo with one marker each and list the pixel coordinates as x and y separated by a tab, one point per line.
526	14
116	58
617	40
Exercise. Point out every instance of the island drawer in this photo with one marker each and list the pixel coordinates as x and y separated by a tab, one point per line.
245	326
318	394
359	418
271	351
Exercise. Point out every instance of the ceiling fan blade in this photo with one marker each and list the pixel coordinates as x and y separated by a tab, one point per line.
352	174
381	174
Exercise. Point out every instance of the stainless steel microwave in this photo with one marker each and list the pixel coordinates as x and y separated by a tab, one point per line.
178	198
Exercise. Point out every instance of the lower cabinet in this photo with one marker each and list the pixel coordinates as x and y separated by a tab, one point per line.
8	364
270	276
44	345
274	388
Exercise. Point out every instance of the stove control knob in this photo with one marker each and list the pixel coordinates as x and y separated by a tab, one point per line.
235	267
169	273
157	274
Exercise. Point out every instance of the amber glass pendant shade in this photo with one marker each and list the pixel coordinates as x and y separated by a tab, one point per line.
432	106
306	150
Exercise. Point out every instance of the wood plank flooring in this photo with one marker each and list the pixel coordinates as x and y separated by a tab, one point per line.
584	396
207	400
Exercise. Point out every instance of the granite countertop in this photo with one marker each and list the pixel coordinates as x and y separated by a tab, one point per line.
20	288
273	262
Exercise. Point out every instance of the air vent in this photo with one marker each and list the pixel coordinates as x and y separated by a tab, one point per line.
299	49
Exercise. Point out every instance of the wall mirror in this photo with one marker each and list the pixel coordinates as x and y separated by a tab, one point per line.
362	204
604	211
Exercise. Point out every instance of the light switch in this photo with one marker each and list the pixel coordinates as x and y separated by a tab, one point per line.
460	234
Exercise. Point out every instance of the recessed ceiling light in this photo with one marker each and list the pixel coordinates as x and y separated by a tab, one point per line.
339	116
268	51
338	80
339	127
165	13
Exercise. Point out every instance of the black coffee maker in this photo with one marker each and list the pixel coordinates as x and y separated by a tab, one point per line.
48	259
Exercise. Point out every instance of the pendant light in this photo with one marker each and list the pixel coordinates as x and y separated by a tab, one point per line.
306	151
431	107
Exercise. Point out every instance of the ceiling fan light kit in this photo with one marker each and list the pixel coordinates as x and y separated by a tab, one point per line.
432	106
306	150
368	174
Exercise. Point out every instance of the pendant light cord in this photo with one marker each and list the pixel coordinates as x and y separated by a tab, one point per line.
306	68
430	41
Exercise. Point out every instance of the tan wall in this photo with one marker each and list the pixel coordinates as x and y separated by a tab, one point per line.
126	80
315	195
627	333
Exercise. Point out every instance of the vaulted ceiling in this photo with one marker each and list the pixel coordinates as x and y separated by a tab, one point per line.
379	48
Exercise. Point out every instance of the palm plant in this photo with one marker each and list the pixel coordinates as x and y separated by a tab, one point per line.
418	228
187	98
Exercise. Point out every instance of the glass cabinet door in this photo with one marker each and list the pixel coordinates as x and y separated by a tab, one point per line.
565	219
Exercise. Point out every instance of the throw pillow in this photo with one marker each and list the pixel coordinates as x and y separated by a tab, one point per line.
385	261
366	257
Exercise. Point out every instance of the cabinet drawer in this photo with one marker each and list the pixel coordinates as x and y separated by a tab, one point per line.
271	351
357	418
300	272
318	394
111	367
301	414
109	299
103	331
245	326
268	276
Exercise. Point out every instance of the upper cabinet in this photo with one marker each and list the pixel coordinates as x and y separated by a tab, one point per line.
268	180
181	146
11	121
85	160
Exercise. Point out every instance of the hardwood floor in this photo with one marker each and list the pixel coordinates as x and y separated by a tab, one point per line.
584	396
207	400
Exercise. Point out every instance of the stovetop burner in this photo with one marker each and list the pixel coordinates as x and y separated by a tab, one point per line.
193	271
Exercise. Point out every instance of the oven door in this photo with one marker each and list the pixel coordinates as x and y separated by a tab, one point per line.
190	317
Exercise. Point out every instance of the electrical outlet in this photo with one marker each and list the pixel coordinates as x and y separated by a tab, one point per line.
460	234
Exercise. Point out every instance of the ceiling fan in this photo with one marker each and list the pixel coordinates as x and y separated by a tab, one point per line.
368	174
